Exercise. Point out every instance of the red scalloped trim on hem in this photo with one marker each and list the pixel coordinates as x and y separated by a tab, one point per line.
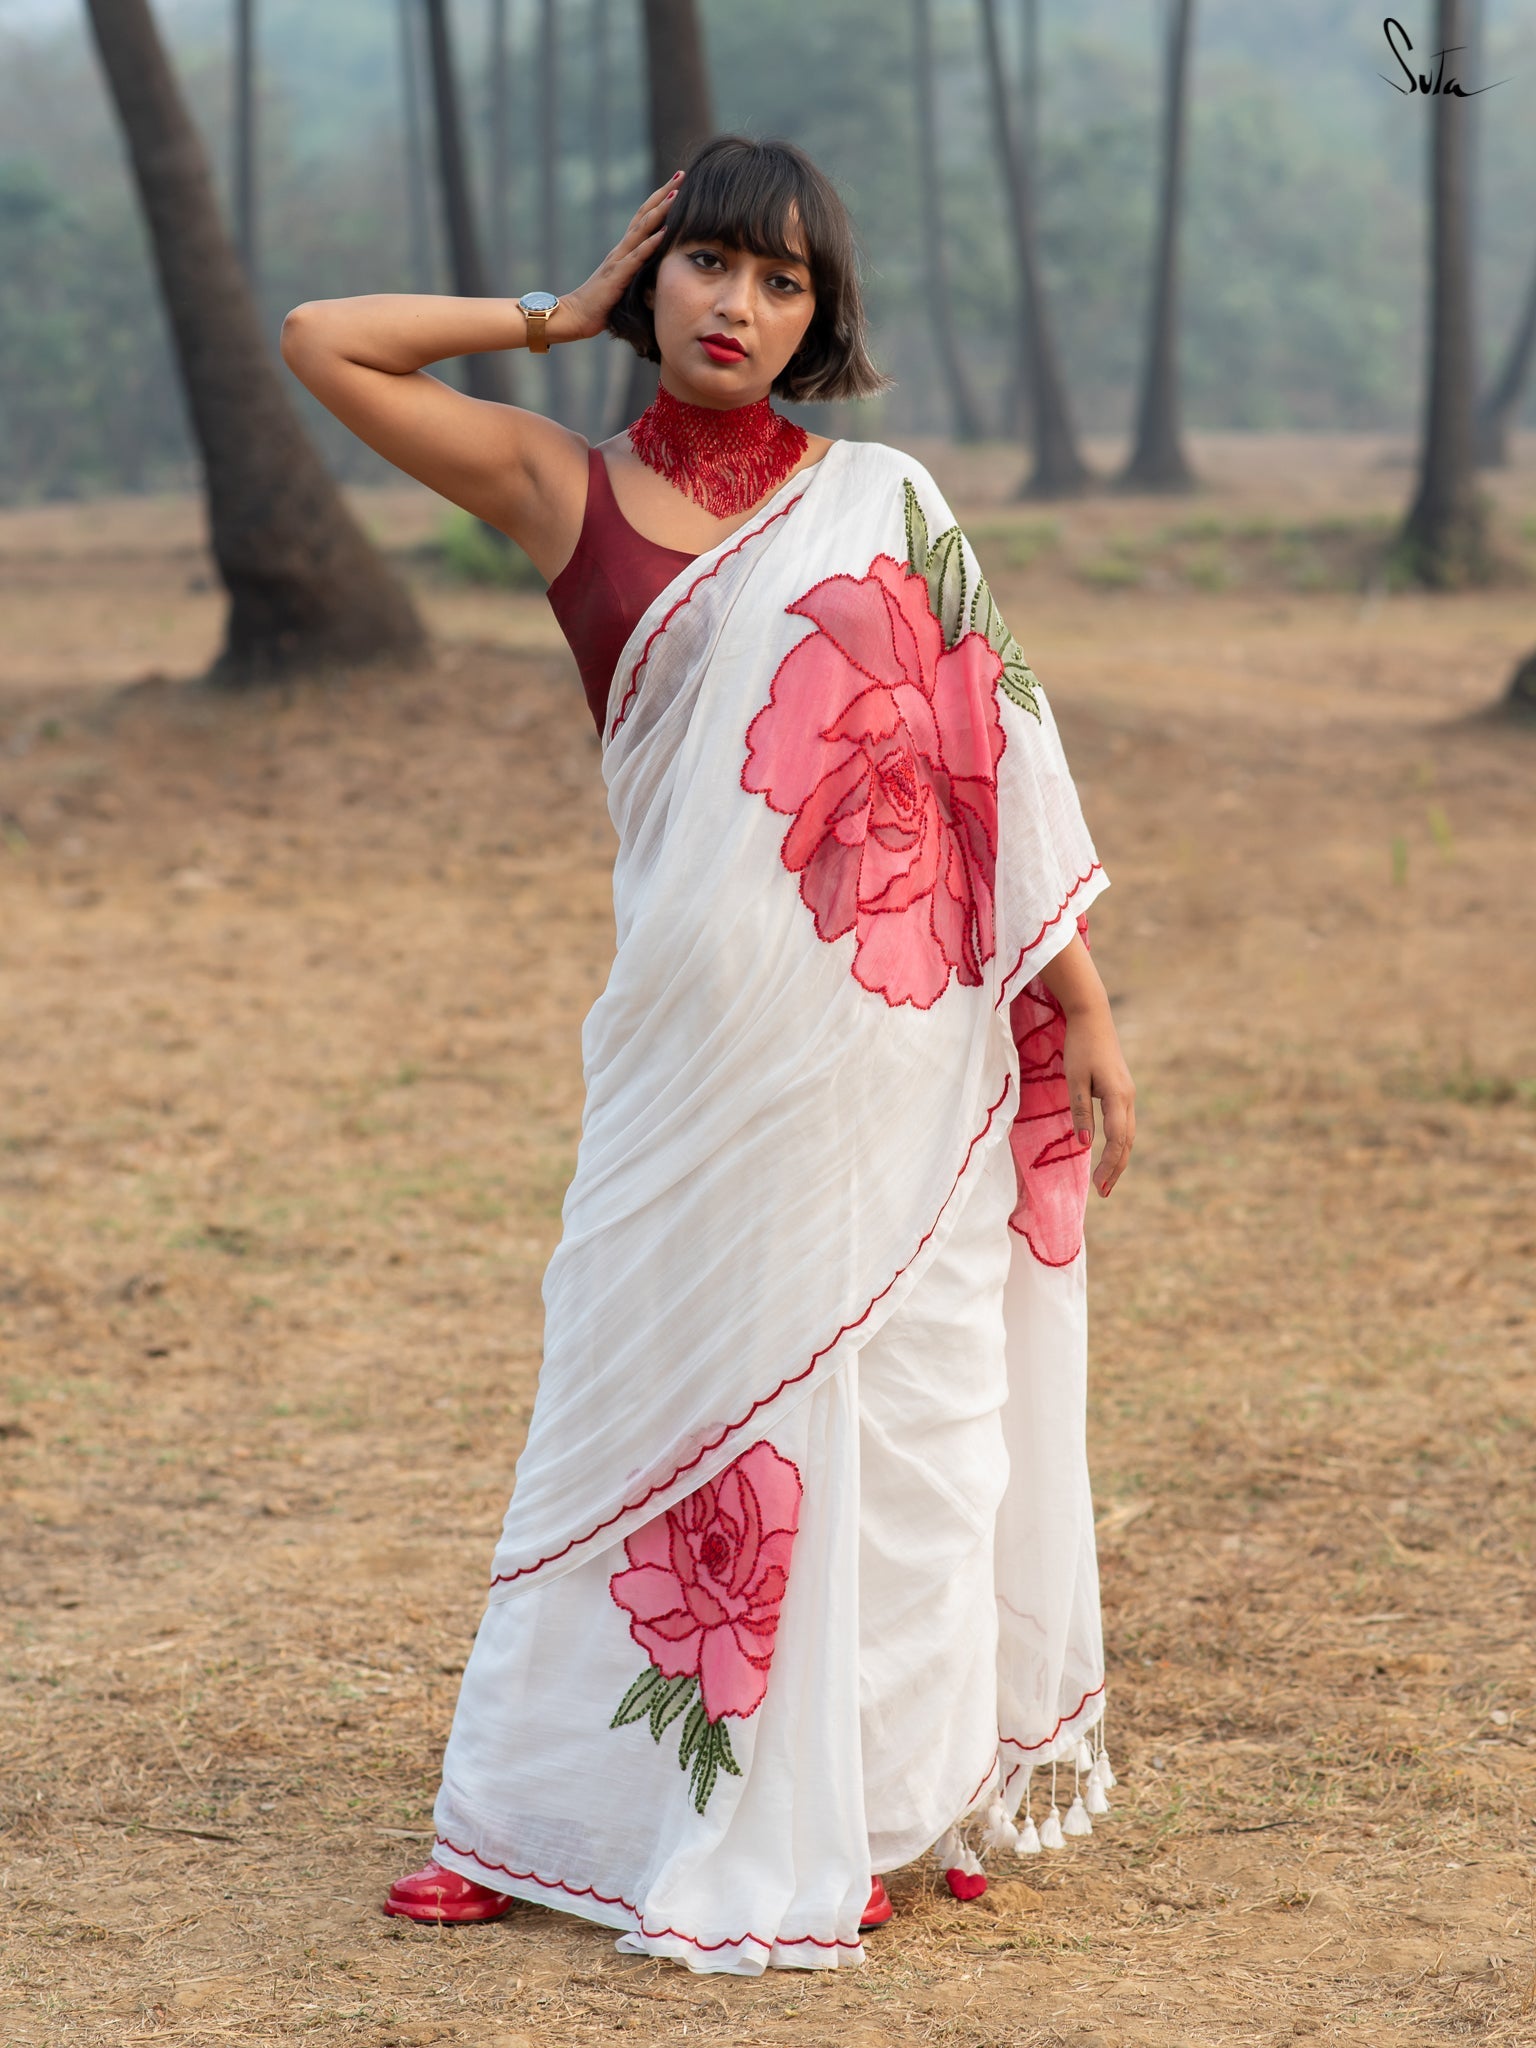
645	653
1096	869
587	1891
1028	1747
791	1379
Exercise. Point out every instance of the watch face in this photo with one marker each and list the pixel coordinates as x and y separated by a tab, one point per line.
538	302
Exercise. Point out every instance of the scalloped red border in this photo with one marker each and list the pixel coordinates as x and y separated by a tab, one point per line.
1025	951
790	1379
587	1891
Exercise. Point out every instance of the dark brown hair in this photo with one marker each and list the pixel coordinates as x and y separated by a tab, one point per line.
746	195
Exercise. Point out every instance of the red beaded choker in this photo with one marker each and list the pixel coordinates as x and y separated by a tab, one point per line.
724	460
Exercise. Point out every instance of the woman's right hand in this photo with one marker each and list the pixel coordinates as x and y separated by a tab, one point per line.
584	312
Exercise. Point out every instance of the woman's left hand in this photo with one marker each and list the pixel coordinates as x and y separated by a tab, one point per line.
1095	1067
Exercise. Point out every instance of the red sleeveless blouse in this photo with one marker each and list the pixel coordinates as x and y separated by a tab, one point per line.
604	589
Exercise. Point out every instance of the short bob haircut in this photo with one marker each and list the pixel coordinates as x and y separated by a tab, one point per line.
746	195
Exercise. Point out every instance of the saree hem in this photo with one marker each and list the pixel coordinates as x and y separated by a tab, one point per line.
587	1903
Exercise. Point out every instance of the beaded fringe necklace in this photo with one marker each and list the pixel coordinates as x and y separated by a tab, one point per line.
724	460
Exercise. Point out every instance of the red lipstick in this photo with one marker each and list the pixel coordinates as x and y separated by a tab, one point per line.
720	348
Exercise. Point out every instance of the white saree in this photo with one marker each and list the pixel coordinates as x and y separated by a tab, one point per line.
798	1571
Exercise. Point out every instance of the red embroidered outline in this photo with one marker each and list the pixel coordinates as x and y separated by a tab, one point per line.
587	1891
957	820
1096	869
645	653
789	1380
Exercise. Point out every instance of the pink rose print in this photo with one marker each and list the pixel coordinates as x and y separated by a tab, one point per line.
1051	1166
883	745
704	1588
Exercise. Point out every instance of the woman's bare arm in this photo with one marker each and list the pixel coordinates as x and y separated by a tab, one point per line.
365	360
1095	1065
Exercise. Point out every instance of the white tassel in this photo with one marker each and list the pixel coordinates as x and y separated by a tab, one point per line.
1084	1757
1050	1831
999	1832
1077	1821
1106	1773
1095	1802
1028	1843
949	1849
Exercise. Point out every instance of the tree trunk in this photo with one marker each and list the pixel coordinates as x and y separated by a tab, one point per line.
1157	462
677	84
1016	404
487	374
1443	542
554	257
243	137
499	198
602	229
305	585
965	414
1059	469
1497	413
498	209
680	117
1520	697
408	21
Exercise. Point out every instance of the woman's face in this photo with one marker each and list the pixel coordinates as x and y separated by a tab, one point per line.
727	321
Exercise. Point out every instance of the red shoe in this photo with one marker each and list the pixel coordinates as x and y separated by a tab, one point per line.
433	1893
878	1911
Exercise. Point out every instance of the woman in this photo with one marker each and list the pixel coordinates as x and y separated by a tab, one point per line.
798	1578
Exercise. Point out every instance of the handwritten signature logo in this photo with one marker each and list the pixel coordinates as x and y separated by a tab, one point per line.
1421	81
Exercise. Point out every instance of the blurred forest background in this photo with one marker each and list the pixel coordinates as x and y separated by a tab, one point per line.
1303	259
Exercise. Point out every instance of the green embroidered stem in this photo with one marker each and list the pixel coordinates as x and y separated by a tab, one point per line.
941	564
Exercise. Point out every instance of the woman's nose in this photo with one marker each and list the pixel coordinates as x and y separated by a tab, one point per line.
733	301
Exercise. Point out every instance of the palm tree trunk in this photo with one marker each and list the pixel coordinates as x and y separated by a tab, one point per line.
601	128
552	253
1059	470
487	374
243	137
418	213
1443	542
681	116
1496	415
305	585
1157	462
1520	697
1016	404
965	414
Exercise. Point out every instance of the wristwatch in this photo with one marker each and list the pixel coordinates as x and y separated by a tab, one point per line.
537	307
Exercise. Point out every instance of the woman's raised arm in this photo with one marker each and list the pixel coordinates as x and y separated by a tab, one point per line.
365	360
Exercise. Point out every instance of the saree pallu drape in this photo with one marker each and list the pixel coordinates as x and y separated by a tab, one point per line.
798	1568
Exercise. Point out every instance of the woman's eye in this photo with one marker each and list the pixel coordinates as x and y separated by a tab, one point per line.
786	284
706	256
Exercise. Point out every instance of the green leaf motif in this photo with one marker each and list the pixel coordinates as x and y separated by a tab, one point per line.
705	1747
671	1698
941	564
1020	682
917	533
714	1756
946	583
636	1703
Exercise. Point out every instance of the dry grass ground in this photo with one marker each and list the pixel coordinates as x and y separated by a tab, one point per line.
289	1094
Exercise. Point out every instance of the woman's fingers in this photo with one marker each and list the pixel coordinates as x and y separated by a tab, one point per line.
659	200
1119	1137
